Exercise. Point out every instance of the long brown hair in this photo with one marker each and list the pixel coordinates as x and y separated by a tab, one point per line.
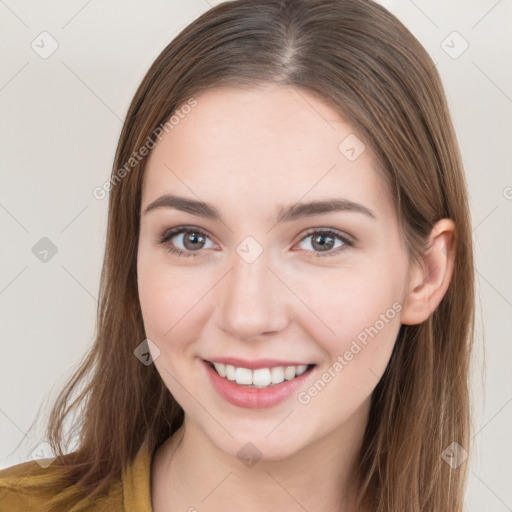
362	59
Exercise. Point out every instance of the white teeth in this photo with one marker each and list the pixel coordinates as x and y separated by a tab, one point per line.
243	376
260	378
230	372
277	374
289	372
221	369
301	369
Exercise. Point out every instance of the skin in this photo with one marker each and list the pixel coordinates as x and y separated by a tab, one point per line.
248	152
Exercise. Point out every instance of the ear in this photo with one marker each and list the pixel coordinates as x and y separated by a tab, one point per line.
428	282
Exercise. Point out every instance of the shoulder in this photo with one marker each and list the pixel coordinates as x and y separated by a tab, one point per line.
26	486
41	486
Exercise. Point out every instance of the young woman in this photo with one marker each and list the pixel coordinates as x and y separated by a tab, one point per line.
286	309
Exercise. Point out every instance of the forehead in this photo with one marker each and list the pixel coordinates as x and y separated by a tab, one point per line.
263	145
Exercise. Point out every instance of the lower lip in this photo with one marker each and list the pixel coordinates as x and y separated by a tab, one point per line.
254	398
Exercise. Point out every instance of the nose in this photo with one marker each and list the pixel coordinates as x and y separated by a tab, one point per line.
252	299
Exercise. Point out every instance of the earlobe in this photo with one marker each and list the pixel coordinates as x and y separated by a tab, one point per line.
428	283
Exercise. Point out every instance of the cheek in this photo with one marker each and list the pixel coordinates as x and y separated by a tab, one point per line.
350	300
170	313
356	322
172	304
365	319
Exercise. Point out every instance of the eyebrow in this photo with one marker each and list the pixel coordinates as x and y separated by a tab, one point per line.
285	214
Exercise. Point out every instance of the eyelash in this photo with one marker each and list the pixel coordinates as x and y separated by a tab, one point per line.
167	235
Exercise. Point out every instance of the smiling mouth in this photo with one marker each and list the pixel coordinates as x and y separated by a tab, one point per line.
261	377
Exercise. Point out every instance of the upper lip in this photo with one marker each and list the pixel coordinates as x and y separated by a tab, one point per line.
254	364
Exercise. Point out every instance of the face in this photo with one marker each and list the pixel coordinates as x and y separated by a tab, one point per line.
256	287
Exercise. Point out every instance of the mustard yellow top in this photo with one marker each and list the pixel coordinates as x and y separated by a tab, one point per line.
27	487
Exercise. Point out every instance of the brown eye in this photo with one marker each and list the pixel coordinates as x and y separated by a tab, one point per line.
323	242
193	240
184	241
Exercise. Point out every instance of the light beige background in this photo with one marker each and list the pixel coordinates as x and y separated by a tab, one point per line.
60	120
